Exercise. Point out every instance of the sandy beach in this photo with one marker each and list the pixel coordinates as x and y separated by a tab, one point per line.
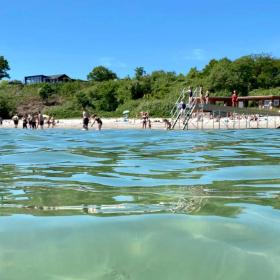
157	123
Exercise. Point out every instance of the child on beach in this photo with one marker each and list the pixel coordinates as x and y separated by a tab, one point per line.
167	124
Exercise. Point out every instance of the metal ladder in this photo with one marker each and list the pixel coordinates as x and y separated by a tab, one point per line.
176	112
188	114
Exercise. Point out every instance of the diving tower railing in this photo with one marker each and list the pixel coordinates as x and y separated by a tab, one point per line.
199	109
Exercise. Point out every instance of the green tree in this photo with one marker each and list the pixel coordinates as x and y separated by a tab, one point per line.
101	73
140	88
139	72
220	76
83	100
46	91
267	71
104	96
7	106
4	67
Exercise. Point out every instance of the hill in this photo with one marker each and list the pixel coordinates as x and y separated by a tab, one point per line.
155	92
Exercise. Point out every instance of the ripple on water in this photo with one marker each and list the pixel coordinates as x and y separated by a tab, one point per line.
139	205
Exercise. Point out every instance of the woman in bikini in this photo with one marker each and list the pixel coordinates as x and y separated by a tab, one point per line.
98	120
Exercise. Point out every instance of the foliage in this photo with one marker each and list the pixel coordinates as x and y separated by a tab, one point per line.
46	91
101	73
7	106
243	74
105	96
264	92
139	72
63	111
83	100
155	92
140	88
4	67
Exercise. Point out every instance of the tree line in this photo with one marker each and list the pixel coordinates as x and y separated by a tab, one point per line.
105	93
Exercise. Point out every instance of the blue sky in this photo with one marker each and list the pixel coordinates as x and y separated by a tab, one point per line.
73	36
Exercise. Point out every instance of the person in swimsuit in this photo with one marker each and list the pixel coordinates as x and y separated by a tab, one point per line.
33	122
190	93
85	120
15	119
234	98
49	121
98	120
29	120
40	120
24	122
167	124
145	119
53	121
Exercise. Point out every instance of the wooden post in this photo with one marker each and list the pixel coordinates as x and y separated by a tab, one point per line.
266	120
239	121
219	119
202	118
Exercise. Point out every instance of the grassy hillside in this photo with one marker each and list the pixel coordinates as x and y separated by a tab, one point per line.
155	92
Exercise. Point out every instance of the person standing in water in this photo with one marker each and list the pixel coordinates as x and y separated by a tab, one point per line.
15	119
40	120
85	119
98	120
24	122
167	124
33	121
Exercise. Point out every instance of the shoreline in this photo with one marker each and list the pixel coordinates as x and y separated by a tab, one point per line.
195	123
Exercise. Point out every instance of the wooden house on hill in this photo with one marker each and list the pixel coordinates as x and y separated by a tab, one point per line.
36	79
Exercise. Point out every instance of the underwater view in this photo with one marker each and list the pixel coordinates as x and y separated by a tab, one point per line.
134	204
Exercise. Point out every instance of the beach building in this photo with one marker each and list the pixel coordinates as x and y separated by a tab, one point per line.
36	79
246	108
262	102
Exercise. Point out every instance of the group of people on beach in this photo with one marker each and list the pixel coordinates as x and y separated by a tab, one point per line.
34	121
95	119
202	98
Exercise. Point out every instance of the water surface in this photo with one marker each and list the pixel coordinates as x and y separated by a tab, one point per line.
139	204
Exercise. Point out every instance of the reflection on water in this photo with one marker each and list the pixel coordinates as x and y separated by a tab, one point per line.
139	204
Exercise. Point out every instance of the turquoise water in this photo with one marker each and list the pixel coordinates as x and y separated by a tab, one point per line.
191	205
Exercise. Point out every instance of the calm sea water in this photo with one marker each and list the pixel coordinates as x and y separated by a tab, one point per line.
191	205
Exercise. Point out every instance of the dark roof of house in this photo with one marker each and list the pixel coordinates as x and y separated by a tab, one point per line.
35	76
56	76
49	76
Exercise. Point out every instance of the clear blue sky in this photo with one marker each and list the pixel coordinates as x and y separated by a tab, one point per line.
73	36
